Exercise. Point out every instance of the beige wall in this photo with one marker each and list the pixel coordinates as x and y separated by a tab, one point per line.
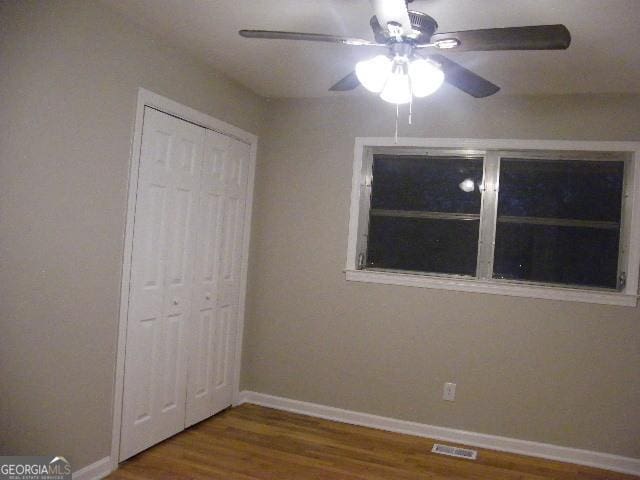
69	77
557	372
549	371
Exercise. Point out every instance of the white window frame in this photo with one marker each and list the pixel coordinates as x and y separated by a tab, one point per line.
630	241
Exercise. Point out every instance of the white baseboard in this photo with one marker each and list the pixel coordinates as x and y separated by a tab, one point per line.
524	447
95	471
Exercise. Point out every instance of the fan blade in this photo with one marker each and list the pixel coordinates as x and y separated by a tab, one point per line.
379	33
312	37
467	81
347	83
392	11
540	37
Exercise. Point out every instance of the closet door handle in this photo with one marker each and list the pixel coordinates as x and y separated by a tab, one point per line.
175	302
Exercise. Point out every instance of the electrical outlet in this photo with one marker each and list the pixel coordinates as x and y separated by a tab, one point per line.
449	392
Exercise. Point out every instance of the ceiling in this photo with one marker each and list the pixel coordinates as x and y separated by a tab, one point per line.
604	56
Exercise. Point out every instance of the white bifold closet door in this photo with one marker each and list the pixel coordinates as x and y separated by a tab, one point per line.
216	290
185	279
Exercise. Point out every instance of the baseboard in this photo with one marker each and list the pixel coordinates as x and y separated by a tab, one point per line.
94	471
524	447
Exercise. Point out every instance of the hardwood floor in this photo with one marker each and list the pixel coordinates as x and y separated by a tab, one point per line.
252	442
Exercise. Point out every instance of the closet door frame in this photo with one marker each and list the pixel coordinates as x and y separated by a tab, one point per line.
147	98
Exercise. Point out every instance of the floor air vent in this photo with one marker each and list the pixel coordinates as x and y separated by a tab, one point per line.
454	451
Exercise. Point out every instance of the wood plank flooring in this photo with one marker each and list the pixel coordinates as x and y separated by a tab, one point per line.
251	442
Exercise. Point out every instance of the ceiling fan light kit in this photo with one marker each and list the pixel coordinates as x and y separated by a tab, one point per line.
404	73
400	79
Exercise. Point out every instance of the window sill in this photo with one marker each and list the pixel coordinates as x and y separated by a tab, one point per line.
493	287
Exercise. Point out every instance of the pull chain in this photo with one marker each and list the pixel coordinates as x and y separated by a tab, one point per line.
397	114
410	108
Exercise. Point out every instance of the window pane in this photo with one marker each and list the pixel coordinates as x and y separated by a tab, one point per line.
581	190
559	221
425	214
420	183
553	254
423	245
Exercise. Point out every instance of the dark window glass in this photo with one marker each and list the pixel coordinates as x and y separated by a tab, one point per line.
425	214
434	184
423	245
554	254
559	221
580	190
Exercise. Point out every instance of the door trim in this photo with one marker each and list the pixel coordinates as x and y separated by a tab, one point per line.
147	98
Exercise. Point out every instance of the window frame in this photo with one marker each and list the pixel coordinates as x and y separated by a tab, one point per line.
492	150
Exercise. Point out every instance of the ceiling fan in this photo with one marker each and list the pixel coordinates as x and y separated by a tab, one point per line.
405	71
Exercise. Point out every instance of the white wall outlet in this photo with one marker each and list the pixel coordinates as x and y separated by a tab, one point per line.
449	392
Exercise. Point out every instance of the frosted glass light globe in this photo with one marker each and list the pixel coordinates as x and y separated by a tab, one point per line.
398	87
373	73
426	77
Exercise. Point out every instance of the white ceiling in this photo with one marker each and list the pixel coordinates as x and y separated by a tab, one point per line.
604	56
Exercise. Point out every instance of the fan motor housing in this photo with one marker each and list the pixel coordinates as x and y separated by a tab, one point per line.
424	24
423	27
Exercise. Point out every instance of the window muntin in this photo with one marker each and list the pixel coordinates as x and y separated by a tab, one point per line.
520	216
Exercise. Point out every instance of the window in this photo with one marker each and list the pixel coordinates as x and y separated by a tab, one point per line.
541	219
